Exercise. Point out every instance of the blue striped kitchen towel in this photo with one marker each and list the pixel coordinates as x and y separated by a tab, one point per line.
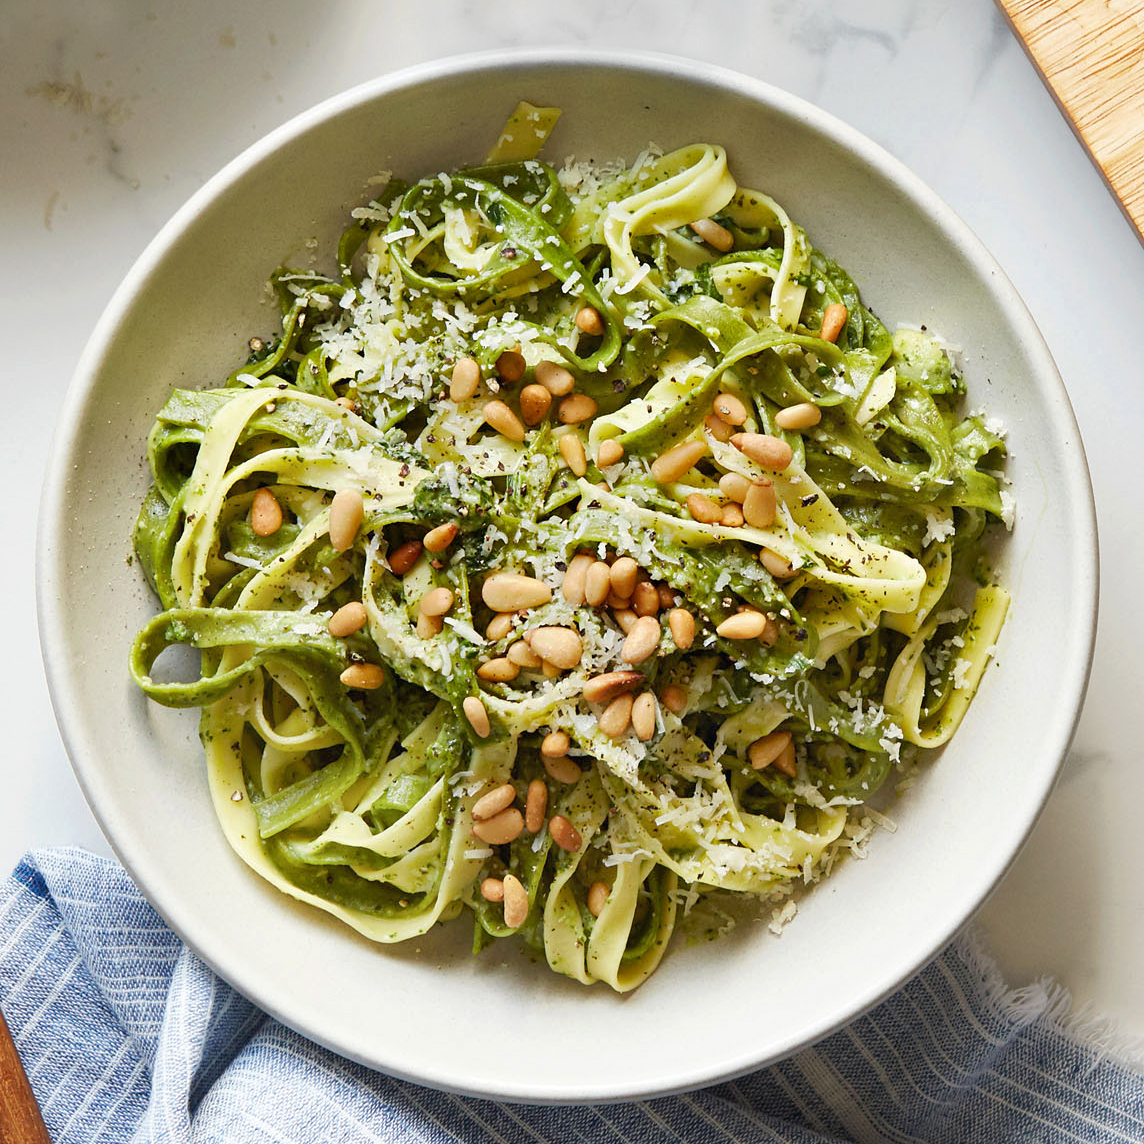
126	1035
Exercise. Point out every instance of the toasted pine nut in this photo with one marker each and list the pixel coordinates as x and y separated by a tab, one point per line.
576	408
785	761
732	515
499	670
626	618
597	583
555	745
464	380
718	428
742	626
572	450
345	402
610	453
670	466
404	556
597	897
535	806
804	415
503	420
762	752
265	513
734	486
501	828
363	676
645	599
346	513
643	716
499	626
492	890
673	697
349	618
477	716
615	601
770	452
561	647
713	234
623	576
604	688
511	591
682	625
429	626
535	401
551	671
493	802
555	378
642	640
730	409
522	655
511	366
770	633
515	902
667	596
833	321
575	578
760	505
436	602
564	834
778	566
561	770
439	538
588	320
703	509
616	717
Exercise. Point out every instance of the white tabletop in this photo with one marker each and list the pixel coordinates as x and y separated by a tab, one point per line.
112	114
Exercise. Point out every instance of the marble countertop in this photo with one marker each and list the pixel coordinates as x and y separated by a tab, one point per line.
111	115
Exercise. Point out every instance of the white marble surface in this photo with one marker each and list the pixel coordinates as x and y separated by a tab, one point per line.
112	114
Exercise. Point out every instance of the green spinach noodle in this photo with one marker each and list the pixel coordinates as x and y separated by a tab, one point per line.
581	549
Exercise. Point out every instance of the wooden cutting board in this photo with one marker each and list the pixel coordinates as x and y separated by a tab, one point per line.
1090	54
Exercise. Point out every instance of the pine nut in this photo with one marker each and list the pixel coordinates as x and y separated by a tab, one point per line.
770	452
730	409
345	402
718	428
673	697
551	671
575	579
499	626
713	234
429	626
762	752
785	761
703	509
493	802
576	408
561	770
611	452
511	591
833	321
515	902
604	688
643	716
349	618
363	676
742	626
802	416
535	806
522	655
436	602
561	647
503	420
588	320
778	566
618	602
501	828
623	576
347	511
464	380
404	556
439	538
572	450
667	595
616	717
626	618
645	599
499	670
535	402
555	745
555	378
682	625
597	583
492	890
760	505
597	897
670	466
770	633
642	640
477	716
732	515
734	486
510	366
564	834
265	513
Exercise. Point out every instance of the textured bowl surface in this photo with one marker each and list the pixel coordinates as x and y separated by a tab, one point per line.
501	1025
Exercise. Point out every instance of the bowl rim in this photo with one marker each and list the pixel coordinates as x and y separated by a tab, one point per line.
52	618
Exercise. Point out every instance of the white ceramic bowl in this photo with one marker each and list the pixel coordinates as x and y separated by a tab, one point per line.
500	1025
